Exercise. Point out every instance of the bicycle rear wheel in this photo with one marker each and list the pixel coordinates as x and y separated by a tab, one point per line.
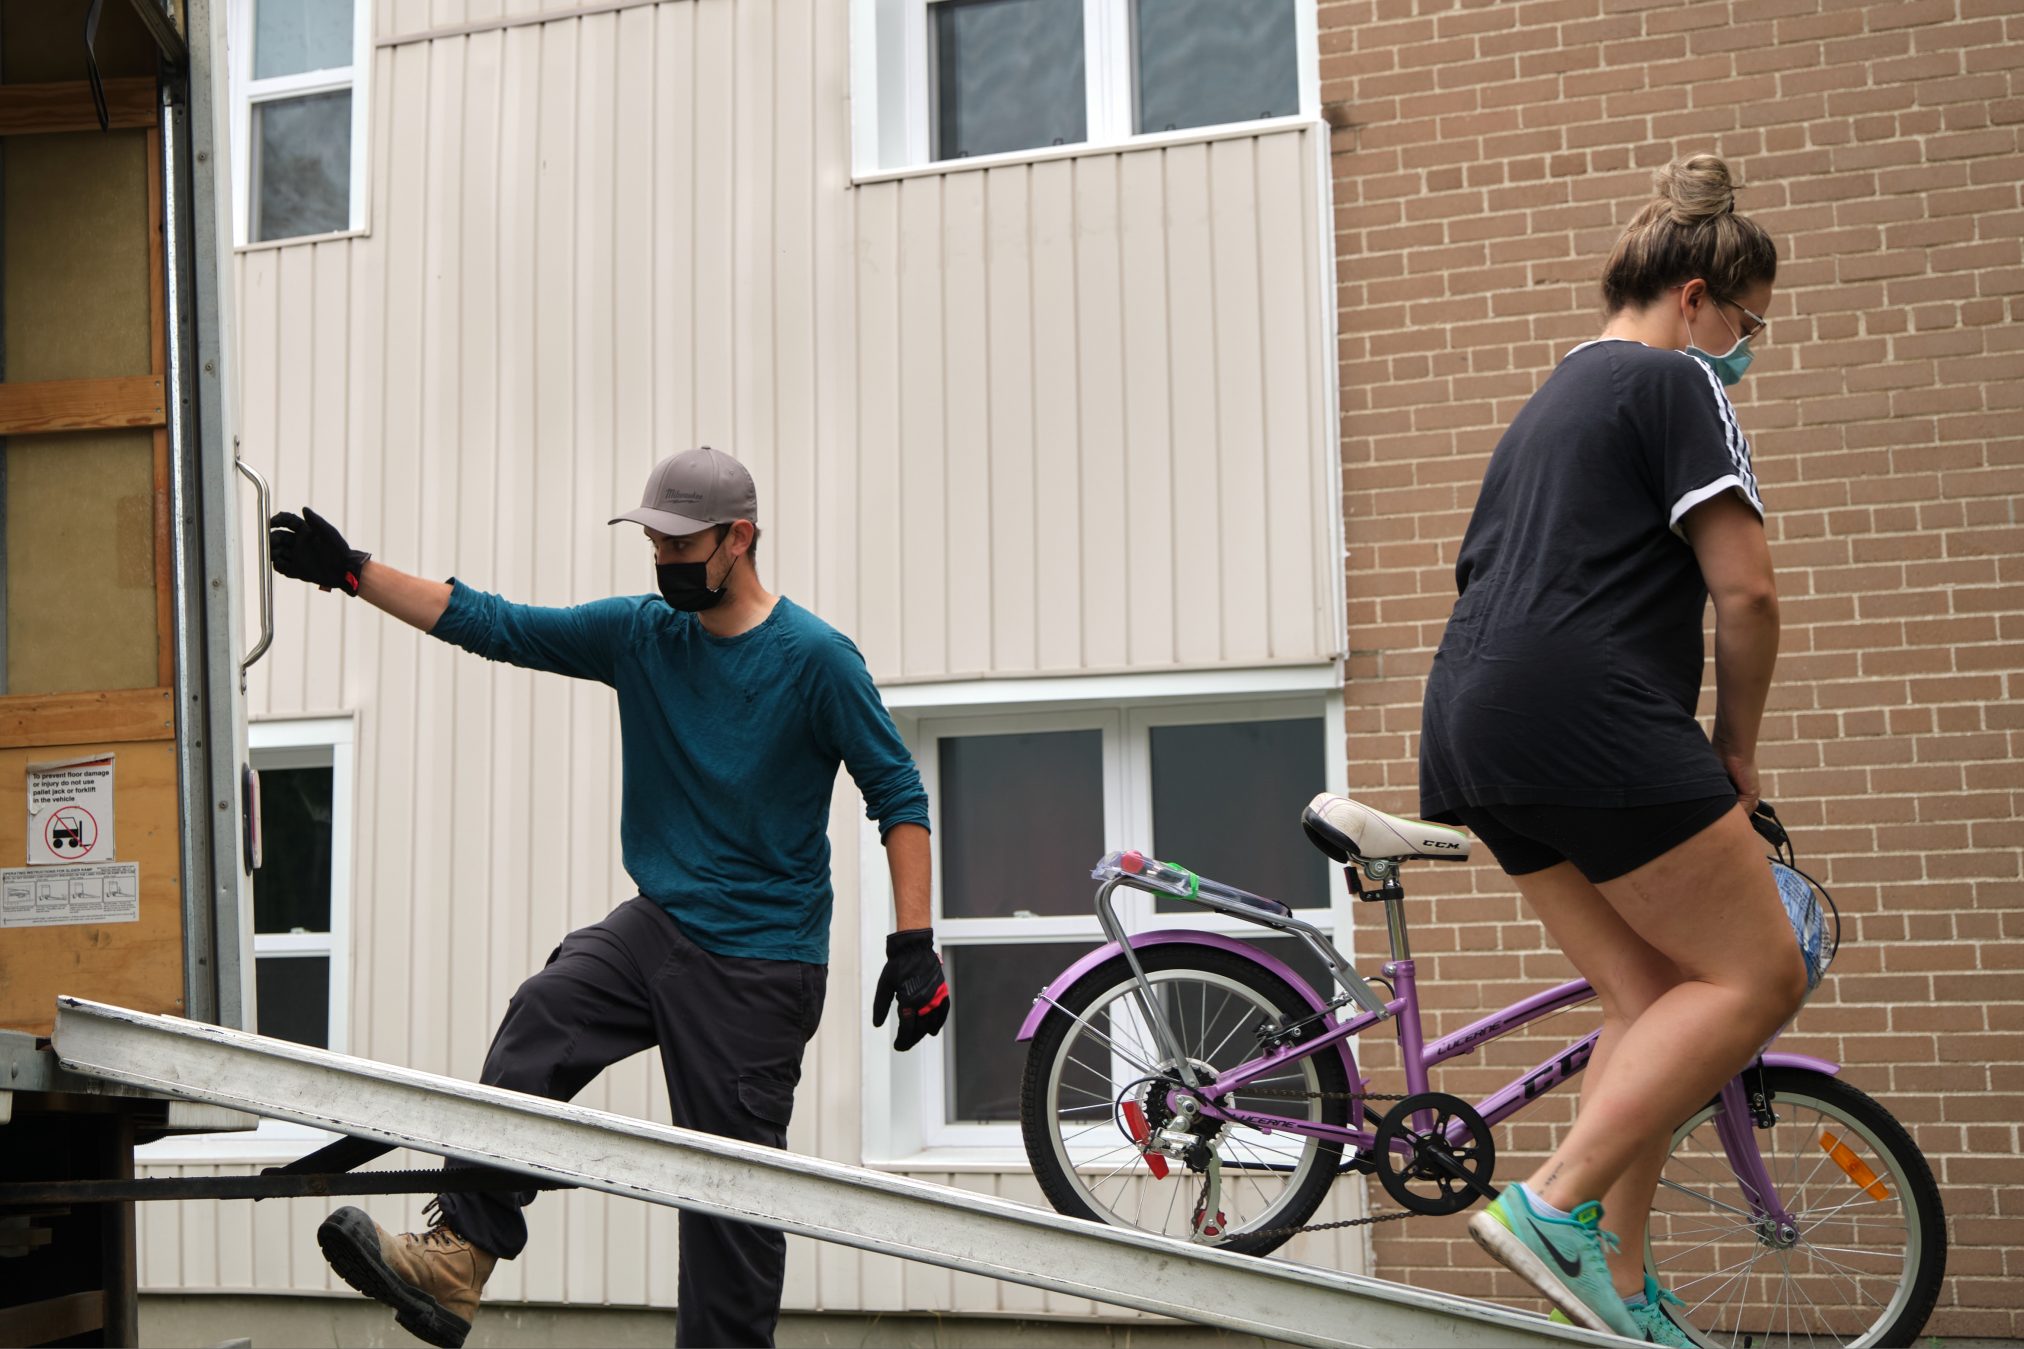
1096	1081
1860	1265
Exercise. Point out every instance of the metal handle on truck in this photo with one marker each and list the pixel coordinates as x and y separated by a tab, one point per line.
266	567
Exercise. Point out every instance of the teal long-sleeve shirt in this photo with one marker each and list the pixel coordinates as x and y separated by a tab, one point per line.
730	747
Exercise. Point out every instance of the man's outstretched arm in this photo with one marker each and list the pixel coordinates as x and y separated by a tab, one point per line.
412	599
577	640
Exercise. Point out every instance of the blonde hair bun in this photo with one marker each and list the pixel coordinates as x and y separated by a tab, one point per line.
1695	189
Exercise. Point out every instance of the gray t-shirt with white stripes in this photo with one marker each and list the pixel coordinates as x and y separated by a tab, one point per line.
1569	671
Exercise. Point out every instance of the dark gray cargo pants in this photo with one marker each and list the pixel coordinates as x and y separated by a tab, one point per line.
730	1032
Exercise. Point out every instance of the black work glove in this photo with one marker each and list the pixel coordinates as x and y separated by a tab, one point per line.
307	547
913	977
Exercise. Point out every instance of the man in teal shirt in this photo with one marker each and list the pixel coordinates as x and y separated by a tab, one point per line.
736	707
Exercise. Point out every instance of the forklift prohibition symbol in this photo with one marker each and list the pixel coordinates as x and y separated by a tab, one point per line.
71	833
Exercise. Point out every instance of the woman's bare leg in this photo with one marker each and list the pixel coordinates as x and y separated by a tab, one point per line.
1710	907
1629	974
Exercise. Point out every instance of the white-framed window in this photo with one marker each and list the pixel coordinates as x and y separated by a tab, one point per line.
301	916
1025	798
300	71
941	80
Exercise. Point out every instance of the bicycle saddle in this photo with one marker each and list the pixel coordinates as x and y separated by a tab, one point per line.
1343	828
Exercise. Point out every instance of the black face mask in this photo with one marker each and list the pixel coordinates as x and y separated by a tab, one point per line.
686	585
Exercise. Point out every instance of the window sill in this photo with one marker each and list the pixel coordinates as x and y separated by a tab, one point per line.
1156	141
335	236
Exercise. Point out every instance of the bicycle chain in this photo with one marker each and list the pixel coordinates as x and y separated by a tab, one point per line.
1289	1093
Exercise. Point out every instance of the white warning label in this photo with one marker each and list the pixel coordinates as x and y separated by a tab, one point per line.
60	896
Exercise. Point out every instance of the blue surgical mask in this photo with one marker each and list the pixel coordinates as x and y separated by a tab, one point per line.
1730	365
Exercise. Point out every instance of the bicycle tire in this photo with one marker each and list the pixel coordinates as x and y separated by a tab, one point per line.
1041	1090
1860	1297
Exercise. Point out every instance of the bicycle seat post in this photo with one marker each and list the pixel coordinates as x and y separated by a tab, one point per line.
1384	877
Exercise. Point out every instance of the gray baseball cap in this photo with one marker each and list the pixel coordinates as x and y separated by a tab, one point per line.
688	492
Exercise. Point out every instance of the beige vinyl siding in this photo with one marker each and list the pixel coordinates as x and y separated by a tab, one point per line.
1053	417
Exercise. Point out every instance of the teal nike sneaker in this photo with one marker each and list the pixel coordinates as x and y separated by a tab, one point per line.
1652	1317
1566	1259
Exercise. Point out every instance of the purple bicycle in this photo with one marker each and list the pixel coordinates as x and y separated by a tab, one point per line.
1194	1085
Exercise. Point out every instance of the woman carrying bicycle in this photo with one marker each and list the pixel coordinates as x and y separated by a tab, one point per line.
1559	726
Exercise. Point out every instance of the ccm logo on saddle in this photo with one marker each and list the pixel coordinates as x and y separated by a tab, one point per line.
1439	843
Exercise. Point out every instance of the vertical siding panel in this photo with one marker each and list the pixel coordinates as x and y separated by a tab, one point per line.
714	185
674	198
1010	602
921	584
1199	543
1292	448
435	446
876	537
792	566
1240	414
1058	500
753	254
158	1242
969	445
360	628
836	353
406	16
558	861
594	738
392	476
199	1235
1149	446
1109	512
290	361
472	840
267	1227
624	1238
510	942
328	432
1324	427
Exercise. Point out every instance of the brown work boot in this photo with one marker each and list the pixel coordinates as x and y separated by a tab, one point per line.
431	1279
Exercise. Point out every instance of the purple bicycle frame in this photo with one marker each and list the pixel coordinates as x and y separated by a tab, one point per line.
1733	1128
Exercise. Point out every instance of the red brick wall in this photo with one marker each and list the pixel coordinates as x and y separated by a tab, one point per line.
1486	154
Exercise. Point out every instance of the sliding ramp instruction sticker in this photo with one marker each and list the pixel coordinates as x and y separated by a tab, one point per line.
62	896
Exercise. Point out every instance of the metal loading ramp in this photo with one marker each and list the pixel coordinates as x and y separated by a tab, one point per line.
854	1206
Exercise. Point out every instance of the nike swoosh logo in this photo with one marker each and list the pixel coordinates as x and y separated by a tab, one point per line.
1571	1268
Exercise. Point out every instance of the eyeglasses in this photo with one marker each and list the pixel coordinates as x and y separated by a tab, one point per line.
1758	324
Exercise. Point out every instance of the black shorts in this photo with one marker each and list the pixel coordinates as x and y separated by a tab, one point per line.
1603	842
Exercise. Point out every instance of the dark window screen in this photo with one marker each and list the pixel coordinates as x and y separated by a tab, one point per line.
991	989
1008	76
1227	798
1205	62
291	891
302	166
1021	822
294	998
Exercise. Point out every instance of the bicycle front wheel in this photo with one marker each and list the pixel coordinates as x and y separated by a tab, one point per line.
1860	1263
1097	1078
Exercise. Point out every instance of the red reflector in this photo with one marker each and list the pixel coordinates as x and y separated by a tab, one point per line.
1133	862
1135	1120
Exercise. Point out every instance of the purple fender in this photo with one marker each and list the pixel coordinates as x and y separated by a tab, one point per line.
1802	1061
1073	975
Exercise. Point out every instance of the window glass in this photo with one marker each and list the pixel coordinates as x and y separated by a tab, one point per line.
1227	798
291	891
1021	822
991	989
1203	62
302	165
293	36
1008	75
294	998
